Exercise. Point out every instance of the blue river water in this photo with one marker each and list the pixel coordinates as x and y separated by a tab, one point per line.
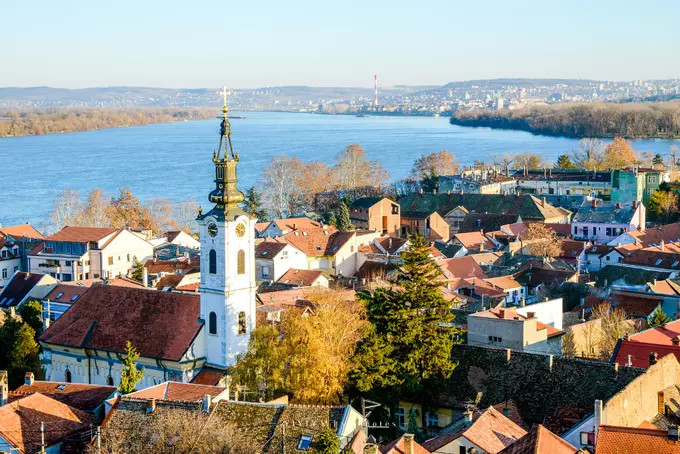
173	160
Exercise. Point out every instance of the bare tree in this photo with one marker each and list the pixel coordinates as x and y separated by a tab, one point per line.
503	161
97	209
589	154
613	326
543	241
435	164
355	172
184	214
279	187
68	210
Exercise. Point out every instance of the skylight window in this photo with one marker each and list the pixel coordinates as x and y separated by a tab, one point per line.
675	264
658	262
59	295
264	253
75	297
304	443
61	387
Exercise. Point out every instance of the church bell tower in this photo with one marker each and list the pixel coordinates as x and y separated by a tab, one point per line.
227	235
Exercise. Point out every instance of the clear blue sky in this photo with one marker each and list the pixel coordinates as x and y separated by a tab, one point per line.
251	43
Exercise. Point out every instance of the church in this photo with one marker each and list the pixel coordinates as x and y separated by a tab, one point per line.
180	337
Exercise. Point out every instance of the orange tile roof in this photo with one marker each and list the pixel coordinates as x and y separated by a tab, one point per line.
397	447
302	278
82	234
175	391
662	335
503	282
21	230
462	268
664	287
318	242
622	440
77	395
270	247
172	266
654	235
208	376
540	440
20	421
510	313
473	240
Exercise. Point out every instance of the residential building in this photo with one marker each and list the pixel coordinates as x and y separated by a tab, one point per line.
564	182
166	274
303	278
10	259
61	298
431	225
26	237
651	259
404	444
489	433
181	392
274	257
636	184
507	328
474	222
24	287
281	227
536	276
476	241
77	253
183	239
601	222
600	255
487	181
642	349
514	291
379	214
669	234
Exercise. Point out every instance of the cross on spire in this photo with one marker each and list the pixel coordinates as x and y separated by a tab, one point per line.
224	93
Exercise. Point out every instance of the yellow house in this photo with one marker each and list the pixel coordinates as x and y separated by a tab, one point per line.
434	417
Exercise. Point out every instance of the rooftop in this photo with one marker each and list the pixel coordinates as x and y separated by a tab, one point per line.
302	278
617	440
18	287
82	234
605	213
21	231
540	440
176	391
77	395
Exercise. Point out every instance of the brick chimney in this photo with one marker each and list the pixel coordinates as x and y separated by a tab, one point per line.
594	202
409	447
29	378
652	358
4	387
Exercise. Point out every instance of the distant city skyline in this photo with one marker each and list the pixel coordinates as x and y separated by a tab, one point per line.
81	44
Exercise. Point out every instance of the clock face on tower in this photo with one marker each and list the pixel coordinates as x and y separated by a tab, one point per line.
240	230
212	229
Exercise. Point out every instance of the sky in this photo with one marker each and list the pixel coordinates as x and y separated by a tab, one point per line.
248	44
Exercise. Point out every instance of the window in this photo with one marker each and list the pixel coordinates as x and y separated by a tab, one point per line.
213	261
75	297
495	339
67	376
462	450
241	262
4	273
109	381
304	443
68	263
401	416
587	438
608	231
242	323
575	230
212	323
110	260
432	419
265	272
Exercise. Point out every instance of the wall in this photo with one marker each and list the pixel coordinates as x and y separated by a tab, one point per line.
548	312
124	248
445	415
454	447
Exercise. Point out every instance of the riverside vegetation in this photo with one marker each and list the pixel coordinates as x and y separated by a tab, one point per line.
32	122
639	120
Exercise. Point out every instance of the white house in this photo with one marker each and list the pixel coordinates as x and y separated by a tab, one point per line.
10	260
77	253
513	289
23	287
602	222
182	238
600	255
274	257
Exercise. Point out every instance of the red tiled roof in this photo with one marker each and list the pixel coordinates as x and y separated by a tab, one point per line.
302	278
170	281
208	376
656	259
77	395
300	224
172	266
654	235
540	440
82	234
21	230
65	293
462	268
269	248
571	249
664	287
491	431
503	282
391	245
564	418
18	287
397	447
620	440
20	421
171	390
159	324
474	240
189	287
639	352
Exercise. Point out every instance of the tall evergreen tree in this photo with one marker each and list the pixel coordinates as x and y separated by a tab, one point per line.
412	327
658	318
31	313
253	204
130	376
19	352
564	162
342	217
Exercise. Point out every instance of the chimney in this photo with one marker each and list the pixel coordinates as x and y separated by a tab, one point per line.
522	302
501	312
598	417
531	314
145	277
662	246
4	387
543	202
629	361
408	444
29	378
207	400
46	323
389	243
618	205
673	432
594	202
652	358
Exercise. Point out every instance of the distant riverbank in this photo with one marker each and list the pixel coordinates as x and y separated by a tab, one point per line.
36	122
602	120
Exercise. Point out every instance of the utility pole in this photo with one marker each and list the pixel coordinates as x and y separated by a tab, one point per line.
42	438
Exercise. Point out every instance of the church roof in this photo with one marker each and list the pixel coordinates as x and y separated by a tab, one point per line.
159	324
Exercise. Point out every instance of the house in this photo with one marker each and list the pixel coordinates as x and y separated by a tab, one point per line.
650	398
598	256
274	257
22	421
90	399
25	237
636	184
651	259
406	444
484	181
513	289
475	241
23	287
487	222
537	276
564	182
163	327
574	253
669	233
10	259
303	278
618	439
507	328
379	214
431	225
489	433
641	349
460	268
281	227
539	440
183	239
601	222
455	218
77	253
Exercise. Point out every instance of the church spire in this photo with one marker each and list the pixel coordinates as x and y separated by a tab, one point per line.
226	195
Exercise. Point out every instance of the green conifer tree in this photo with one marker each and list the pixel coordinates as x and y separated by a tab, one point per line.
327	442
19	352
253	204
130	376
564	162
342	218
31	313
658	317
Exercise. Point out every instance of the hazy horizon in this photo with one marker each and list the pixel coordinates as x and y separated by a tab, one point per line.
82	44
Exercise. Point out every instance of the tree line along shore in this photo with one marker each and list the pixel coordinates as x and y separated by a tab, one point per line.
632	120
29	122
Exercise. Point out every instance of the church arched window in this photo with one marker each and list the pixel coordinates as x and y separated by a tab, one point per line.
213	261
67	376
241	262
242	323
212	323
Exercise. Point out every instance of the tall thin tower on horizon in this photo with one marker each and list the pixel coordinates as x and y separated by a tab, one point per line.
375	101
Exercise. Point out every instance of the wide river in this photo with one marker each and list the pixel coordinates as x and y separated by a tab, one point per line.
173	160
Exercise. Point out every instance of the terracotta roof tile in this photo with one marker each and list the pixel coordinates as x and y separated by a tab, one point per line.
82	234
503	282
171	390
77	395
398	447
619	440
66	293
21	230
462	268
208	376
270	248
172	266
302	278
159	324
20	421
474	240
540	440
